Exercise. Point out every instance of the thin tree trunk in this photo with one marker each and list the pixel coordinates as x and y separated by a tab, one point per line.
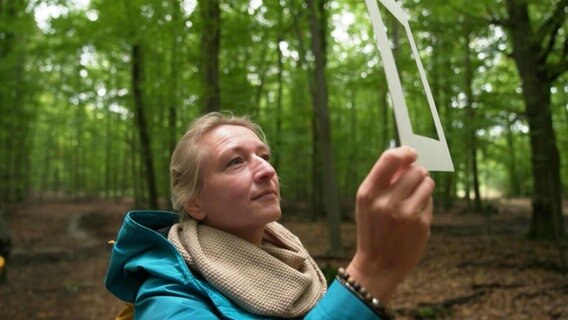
316	197
173	99
120	165
471	132
321	121
140	118
108	168
6	110
255	108
278	138
467	182
80	188
45	165
135	171
15	118
442	93
352	168
514	181
210	46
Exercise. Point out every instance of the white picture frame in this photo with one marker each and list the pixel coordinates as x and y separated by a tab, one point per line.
433	154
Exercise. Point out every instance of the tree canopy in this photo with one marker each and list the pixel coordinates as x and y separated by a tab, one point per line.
94	94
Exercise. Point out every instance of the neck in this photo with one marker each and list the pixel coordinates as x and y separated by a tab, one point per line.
253	235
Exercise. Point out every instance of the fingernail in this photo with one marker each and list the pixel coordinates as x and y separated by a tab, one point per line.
410	149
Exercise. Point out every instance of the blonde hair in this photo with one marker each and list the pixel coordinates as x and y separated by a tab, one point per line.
185	173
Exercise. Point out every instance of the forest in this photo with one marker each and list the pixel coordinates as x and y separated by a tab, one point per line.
94	95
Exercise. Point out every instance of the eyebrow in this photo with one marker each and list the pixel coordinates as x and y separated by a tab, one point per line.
236	149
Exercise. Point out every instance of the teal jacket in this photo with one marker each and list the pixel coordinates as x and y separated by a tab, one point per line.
146	269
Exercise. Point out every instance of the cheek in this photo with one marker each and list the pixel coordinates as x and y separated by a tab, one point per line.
234	190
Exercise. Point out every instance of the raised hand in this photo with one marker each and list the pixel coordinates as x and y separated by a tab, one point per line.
393	212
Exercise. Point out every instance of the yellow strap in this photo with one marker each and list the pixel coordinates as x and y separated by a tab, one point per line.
2	263
127	312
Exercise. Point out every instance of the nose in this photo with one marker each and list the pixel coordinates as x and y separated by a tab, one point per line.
263	170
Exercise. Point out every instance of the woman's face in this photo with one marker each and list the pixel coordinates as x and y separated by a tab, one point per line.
240	192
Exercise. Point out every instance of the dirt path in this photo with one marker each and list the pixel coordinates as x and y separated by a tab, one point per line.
58	261
475	267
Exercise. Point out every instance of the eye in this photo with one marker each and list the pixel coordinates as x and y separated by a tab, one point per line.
265	156
235	161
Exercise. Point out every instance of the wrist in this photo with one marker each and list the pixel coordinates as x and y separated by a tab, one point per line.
378	306
379	283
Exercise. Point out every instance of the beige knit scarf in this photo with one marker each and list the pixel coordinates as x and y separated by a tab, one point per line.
277	278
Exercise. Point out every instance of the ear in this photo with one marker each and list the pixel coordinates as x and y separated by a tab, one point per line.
193	208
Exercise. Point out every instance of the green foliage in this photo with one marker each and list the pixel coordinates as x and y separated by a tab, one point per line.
69	112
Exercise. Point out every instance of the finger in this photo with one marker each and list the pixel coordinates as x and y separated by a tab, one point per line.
409	180
389	163
428	212
419	200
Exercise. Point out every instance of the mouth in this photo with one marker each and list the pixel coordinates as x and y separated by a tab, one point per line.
266	194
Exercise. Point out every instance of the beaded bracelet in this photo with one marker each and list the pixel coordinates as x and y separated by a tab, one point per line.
375	304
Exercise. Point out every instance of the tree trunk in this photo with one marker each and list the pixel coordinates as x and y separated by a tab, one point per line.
316	199
278	138
174	74
15	116
80	184
254	110
210	45
530	54
173	96
441	91
120	165
140	118
108	173
513	172
352	168
470	124
321	122
467	182
6	110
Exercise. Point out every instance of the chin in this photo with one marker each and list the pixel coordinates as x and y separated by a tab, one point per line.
278	216
274	215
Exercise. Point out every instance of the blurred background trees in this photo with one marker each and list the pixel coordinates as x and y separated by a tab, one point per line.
94	95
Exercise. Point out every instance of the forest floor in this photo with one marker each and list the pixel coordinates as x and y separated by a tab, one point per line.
475	267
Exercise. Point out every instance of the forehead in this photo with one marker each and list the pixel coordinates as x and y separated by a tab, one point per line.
227	137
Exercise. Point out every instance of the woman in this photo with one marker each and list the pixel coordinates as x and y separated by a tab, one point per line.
227	257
